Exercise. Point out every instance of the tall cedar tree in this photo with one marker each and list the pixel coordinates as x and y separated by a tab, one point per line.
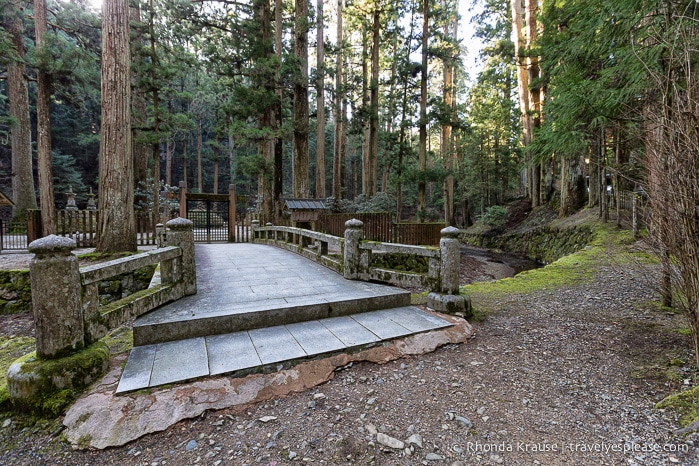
117	229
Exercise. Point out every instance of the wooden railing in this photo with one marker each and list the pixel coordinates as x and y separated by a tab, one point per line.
81	226
379	226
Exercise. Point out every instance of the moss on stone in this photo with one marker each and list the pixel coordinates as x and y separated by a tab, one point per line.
12	348
685	403
119	340
49	386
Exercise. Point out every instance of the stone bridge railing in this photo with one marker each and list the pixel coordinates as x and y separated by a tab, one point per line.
351	256
65	297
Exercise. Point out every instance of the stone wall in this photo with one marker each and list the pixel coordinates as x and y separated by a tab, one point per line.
15	292
545	244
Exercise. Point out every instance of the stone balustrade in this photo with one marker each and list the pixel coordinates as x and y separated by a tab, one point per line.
65	297
352	257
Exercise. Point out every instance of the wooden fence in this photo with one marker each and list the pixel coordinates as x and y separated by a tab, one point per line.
81	225
379	226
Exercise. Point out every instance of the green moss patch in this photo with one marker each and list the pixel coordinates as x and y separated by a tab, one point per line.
10	350
686	404
15	291
401	262
48	387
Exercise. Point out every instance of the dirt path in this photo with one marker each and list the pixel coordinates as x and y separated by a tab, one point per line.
574	371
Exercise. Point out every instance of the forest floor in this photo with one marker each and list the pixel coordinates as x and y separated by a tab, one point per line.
566	367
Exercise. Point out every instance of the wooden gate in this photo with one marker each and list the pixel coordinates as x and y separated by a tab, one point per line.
214	217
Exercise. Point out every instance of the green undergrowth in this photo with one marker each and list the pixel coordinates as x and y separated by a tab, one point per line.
569	270
11	348
685	404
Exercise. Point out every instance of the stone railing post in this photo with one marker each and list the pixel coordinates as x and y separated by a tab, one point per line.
56	297
450	248
180	233
448	299
255	226
354	230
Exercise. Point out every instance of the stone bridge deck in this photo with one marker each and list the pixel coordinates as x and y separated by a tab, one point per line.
258	308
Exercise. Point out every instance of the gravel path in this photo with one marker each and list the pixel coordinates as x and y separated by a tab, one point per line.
565	376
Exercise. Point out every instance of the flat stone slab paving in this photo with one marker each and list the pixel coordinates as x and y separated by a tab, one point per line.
247	286
257	349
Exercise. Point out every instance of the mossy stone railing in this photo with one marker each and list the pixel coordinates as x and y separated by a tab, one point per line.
69	319
354	260
65	297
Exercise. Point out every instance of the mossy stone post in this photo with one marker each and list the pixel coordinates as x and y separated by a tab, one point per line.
448	299
180	233
56	297
255	227
354	231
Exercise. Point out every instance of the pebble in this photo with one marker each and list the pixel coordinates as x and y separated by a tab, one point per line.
191	445
390	442
463	421
433	457
292	455
7	423
267	418
415	439
319	396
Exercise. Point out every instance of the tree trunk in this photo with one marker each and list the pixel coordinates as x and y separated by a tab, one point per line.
374	102
200	185
337	110
422	151
43	125
156	113
169	150
141	150
320	105
365	113
266	118
300	167
278	115
23	194
117	229
448	152
216	154
185	141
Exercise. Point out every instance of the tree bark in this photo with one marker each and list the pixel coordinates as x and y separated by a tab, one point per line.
278	115
337	110
320	104
300	167
23	194
365	113
374	102
448	153
117	229
422	151
43	125
140	150
200	185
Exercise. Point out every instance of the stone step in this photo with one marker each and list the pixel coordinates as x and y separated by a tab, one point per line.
240	309
263	349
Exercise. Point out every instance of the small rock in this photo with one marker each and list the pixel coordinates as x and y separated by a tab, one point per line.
462	421
433	457
371	401
496	459
415	439
191	445
7	423
267	418
319	396
481	410
371	429
476	363
390	442
292	455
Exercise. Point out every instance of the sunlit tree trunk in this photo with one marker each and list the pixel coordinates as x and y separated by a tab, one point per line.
117	229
